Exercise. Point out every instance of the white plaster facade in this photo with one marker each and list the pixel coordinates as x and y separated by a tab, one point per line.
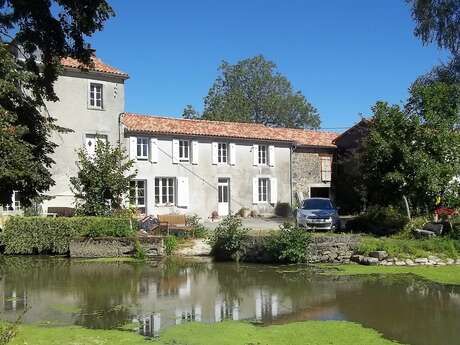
74	112
196	181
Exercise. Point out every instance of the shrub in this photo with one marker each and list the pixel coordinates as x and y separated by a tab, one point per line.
289	244
139	251
229	238
415	223
170	244
378	220
197	228
29	235
110	227
283	209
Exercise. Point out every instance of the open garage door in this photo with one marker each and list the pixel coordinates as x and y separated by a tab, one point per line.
319	192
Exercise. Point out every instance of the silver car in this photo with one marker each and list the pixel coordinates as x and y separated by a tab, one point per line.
318	214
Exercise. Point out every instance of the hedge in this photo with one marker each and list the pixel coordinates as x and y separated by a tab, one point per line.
39	235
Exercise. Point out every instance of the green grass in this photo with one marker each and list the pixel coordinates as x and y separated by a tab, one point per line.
225	333
442	275
73	335
300	333
410	248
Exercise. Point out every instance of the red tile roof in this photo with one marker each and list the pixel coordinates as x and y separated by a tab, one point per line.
167	125
97	65
302	137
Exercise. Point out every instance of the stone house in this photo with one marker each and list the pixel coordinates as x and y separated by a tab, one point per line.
348	167
312	163
186	166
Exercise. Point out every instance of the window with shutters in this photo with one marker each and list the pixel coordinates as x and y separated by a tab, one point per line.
165	190
95	96
326	168
184	150
137	196
263	189
263	154
222	153
142	148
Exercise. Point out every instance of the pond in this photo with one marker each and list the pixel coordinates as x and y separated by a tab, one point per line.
154	295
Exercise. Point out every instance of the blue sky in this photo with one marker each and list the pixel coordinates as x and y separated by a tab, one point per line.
342	55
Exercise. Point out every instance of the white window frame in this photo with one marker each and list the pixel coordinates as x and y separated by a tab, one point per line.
222	153
262	154
158	190
143	143
93	96
136	196
184	155
263	195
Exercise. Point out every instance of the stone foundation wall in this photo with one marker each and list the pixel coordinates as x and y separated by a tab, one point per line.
323	249
333	249
114	247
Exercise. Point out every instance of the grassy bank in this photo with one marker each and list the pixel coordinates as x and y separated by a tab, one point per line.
443	275
411	248
228	333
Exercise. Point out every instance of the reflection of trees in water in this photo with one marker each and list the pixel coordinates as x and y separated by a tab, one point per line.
404	308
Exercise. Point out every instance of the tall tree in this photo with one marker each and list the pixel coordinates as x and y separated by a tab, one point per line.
102	181
253	91
438	21
40	32
414	152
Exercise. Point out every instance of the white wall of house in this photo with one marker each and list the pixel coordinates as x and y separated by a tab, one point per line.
73	111
196	181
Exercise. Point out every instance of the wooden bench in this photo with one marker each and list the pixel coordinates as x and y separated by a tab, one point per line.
173	223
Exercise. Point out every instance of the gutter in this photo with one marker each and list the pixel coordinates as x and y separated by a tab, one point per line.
120	115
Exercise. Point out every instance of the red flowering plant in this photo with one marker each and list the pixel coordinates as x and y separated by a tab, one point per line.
446	212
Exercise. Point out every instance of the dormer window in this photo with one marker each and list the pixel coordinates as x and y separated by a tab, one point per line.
95	96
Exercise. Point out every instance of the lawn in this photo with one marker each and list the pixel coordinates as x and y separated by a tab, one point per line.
411	248
227	333
444	274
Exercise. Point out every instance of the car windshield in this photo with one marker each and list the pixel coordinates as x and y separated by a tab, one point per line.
317	204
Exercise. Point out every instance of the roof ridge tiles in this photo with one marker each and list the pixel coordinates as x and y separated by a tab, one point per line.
239	130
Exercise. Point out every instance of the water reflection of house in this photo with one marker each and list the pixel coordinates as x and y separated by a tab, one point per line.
170	285
226	310
14	300
188	314
266	305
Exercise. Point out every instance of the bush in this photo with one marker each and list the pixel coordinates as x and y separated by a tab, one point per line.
229	239
378	220
139	251
170	244
283	209
107	227
290	244
197	228
37	235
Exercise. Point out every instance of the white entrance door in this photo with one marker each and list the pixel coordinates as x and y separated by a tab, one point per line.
223	197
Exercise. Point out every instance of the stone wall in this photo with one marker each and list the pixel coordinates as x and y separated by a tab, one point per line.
306	170
322	249
114	247
333	248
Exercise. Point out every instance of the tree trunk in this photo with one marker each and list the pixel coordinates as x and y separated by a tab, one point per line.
406	204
